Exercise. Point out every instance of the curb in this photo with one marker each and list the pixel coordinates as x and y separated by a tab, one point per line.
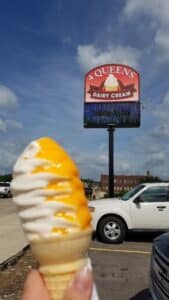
13	259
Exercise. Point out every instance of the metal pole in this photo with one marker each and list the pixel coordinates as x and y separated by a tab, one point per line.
111	161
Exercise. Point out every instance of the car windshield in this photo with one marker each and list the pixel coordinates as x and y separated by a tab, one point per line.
132	192
2	184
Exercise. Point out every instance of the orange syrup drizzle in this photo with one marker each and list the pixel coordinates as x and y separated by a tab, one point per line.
67	183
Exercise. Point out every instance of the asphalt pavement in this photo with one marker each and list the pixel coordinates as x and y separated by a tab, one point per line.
12	239
121	271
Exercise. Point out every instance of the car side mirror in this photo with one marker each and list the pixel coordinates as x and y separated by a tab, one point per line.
137	200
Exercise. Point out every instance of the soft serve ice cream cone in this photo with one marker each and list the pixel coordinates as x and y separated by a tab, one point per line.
53	210
111	84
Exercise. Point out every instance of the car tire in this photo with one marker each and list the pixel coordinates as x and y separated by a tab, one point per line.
8	195
111	229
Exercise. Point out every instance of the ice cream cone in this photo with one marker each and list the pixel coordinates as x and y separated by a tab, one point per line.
60	258
111	84
111	88
53	208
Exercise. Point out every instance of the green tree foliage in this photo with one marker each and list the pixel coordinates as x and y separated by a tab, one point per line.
150	179
6	177
89	182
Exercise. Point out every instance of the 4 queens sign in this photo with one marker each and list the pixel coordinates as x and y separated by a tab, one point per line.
112	94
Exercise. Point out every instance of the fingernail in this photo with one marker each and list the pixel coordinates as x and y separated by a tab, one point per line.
89	264
82	280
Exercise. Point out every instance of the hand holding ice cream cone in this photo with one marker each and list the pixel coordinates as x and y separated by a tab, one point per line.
79	289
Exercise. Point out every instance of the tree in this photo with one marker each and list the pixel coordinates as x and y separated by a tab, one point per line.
6	177
150	179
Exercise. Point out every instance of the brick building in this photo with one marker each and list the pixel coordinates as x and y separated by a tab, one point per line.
121	182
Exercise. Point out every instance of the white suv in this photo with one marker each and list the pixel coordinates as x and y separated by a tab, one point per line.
145	207
5	190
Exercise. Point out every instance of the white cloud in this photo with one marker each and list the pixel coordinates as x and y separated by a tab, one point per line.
153	147
161	130
157	9
103	158
89	56
156	160
161	112
162	42
6	124
7	97
14	124
123	167
2	125
152	154
134	8
158	13
9	152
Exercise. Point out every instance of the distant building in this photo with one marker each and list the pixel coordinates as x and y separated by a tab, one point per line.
121	182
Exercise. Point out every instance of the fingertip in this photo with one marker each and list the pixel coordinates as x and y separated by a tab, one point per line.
34	287
32	278
81	286
33	274
83	281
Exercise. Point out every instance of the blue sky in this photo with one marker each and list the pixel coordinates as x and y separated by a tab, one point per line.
46	49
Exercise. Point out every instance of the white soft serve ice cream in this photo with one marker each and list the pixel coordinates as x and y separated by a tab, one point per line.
111	83
48	192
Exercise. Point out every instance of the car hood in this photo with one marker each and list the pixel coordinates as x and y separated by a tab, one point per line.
107	201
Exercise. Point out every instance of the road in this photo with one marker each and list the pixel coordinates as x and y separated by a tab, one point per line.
11	235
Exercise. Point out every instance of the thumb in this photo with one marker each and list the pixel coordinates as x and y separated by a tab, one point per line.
81	286
34	287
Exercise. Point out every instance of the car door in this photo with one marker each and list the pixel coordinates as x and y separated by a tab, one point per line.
152	212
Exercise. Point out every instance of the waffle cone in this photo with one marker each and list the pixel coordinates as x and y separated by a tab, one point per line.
60	258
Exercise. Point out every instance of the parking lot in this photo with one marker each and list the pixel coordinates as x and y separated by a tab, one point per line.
121	271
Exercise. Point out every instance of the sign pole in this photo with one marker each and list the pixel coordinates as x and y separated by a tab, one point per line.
111	130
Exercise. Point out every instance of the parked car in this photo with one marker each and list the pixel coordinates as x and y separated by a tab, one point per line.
5	190
145	207
159	271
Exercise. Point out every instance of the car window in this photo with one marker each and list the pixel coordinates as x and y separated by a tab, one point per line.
155	194
2	184
132	192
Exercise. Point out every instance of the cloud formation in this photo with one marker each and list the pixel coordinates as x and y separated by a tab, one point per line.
14	124
8	98
9	124
161	130
2	126
157	12
89	56
43	71
161	111
9	152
